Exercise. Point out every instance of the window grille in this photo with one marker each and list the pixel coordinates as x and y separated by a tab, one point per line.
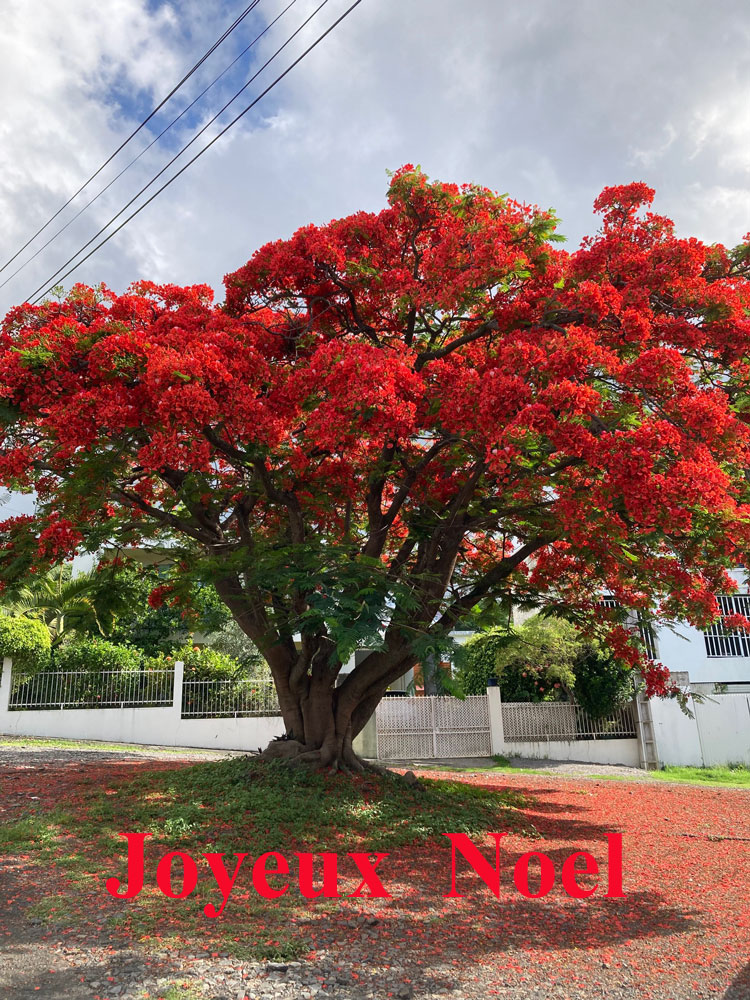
636	620
724	642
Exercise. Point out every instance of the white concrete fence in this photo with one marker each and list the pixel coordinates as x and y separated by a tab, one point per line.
718	734
441	726
162	708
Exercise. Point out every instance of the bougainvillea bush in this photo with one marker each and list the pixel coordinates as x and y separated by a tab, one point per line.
394	419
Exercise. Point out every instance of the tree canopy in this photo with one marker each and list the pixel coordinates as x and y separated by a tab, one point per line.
395	419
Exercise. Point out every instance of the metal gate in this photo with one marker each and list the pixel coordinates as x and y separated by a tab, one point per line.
433	726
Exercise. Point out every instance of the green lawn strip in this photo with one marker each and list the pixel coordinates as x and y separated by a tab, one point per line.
33	742
246	805
733	776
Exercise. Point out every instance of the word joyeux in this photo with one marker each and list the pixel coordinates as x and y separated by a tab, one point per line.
275	864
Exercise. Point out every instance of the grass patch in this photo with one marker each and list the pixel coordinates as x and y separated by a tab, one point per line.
729	776
55	744
40	832
51	910
175	991
244	805
267	805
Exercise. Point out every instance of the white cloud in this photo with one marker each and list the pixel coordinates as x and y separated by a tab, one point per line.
548	102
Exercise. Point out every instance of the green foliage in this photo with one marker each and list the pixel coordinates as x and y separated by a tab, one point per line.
545	659
206	663
231	640
477	661
602	682
348	597
26	641
96	655
155	630
68	605
531	663
538	664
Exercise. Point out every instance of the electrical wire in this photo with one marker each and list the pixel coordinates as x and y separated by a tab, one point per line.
216	138
134	133
50	281
145	149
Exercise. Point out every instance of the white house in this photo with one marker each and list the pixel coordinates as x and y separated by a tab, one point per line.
716	660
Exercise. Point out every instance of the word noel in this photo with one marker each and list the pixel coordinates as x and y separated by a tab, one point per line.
274	864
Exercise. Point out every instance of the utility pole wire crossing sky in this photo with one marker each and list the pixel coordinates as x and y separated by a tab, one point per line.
135	132
144	151
39	293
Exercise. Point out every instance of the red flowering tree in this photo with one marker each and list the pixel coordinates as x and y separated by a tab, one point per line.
394	420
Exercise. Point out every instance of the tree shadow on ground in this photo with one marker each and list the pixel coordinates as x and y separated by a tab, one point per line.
422	934
740	988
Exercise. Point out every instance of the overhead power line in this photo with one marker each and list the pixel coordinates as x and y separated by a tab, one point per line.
250	7
145	149
52	279
208	145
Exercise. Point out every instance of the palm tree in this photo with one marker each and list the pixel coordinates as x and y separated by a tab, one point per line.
66	604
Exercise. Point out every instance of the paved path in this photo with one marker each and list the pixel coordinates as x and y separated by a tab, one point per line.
551	768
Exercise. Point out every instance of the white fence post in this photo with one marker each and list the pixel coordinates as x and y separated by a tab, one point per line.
6	683
179	676
497	736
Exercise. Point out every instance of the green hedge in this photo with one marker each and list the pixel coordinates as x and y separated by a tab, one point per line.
205	663
27	642
96	655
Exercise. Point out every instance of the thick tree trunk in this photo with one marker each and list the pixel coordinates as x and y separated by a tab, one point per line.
319	728
321	719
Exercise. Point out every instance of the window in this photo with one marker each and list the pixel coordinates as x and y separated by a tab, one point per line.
722	642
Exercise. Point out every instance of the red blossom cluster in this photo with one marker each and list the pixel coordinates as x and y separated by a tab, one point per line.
437	387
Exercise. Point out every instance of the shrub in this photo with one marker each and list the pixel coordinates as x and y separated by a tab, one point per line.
96	655
538	664
231	640
477	661
546	659
603	684
26	641
205	663
154	630
532	663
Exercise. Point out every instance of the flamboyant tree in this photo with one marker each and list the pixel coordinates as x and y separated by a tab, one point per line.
395	420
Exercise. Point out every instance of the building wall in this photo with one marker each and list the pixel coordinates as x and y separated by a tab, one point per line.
718	734
685	650
623	752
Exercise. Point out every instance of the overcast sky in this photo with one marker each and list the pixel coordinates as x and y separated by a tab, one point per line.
547	101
